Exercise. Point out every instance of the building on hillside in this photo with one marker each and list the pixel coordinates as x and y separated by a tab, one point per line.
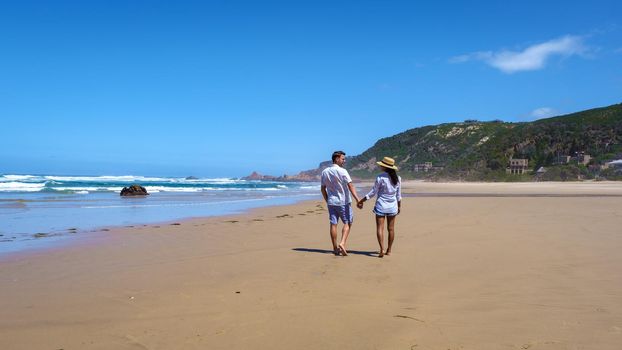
562	159
584	158
540	173
517	166
423	167
581	158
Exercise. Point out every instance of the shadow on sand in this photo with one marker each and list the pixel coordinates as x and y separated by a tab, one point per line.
325	251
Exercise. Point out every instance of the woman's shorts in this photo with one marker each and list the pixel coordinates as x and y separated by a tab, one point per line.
381	213
343	212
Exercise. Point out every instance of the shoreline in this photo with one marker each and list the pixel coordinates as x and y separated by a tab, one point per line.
410	188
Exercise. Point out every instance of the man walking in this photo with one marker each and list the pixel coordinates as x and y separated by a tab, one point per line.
336	189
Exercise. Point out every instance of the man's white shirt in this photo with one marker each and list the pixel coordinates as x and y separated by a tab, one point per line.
336	180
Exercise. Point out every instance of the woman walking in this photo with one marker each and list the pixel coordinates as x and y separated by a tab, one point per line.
388	203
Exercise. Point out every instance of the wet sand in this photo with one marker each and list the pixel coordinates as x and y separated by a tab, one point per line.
467	272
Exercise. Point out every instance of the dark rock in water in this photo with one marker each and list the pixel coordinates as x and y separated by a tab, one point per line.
192	178
134	190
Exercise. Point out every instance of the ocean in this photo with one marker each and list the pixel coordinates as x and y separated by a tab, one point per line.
42	210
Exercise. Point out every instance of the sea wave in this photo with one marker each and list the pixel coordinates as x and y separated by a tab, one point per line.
154	189
82	189
117	178
4	178
20	187
106	178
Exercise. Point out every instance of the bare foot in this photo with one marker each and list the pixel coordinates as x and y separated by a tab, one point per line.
343	250
380	255
388	252
336	251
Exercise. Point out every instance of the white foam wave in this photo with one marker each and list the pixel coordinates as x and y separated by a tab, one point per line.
106	178
18	177
20	187
203	189
153	189
218	180
139	179
87	189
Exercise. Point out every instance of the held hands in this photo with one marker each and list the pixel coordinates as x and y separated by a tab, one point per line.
360	204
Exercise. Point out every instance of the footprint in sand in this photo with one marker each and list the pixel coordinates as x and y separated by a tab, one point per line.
283	216
412	318
257	219
232	221
175	224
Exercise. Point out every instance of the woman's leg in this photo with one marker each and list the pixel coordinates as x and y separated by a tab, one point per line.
391	229
380	234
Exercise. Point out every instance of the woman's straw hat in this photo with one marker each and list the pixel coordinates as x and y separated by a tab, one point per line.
387	163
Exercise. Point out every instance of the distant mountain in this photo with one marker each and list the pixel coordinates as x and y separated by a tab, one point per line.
481	151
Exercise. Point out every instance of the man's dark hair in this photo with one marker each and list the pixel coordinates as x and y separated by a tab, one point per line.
338	154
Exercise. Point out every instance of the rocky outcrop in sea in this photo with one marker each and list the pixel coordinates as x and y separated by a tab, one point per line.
134	190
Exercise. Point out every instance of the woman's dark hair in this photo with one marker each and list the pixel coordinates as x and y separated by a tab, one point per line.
393	176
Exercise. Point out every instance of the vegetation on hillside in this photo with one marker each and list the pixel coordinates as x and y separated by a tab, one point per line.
481	151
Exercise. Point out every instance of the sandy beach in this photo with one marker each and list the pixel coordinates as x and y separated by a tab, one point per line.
475	266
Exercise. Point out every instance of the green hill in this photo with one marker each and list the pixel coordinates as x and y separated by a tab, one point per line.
474	150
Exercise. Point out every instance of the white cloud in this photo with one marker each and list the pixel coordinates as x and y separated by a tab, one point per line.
532	58
542	112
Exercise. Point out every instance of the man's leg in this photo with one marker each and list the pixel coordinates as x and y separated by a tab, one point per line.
333	218
333	238
345	231
346	217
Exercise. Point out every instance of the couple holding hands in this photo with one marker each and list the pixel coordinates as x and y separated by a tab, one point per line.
336	188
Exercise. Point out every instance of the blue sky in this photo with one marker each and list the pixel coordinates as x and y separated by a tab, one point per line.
222	88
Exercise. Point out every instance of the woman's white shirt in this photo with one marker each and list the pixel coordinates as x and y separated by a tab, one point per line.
388	194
